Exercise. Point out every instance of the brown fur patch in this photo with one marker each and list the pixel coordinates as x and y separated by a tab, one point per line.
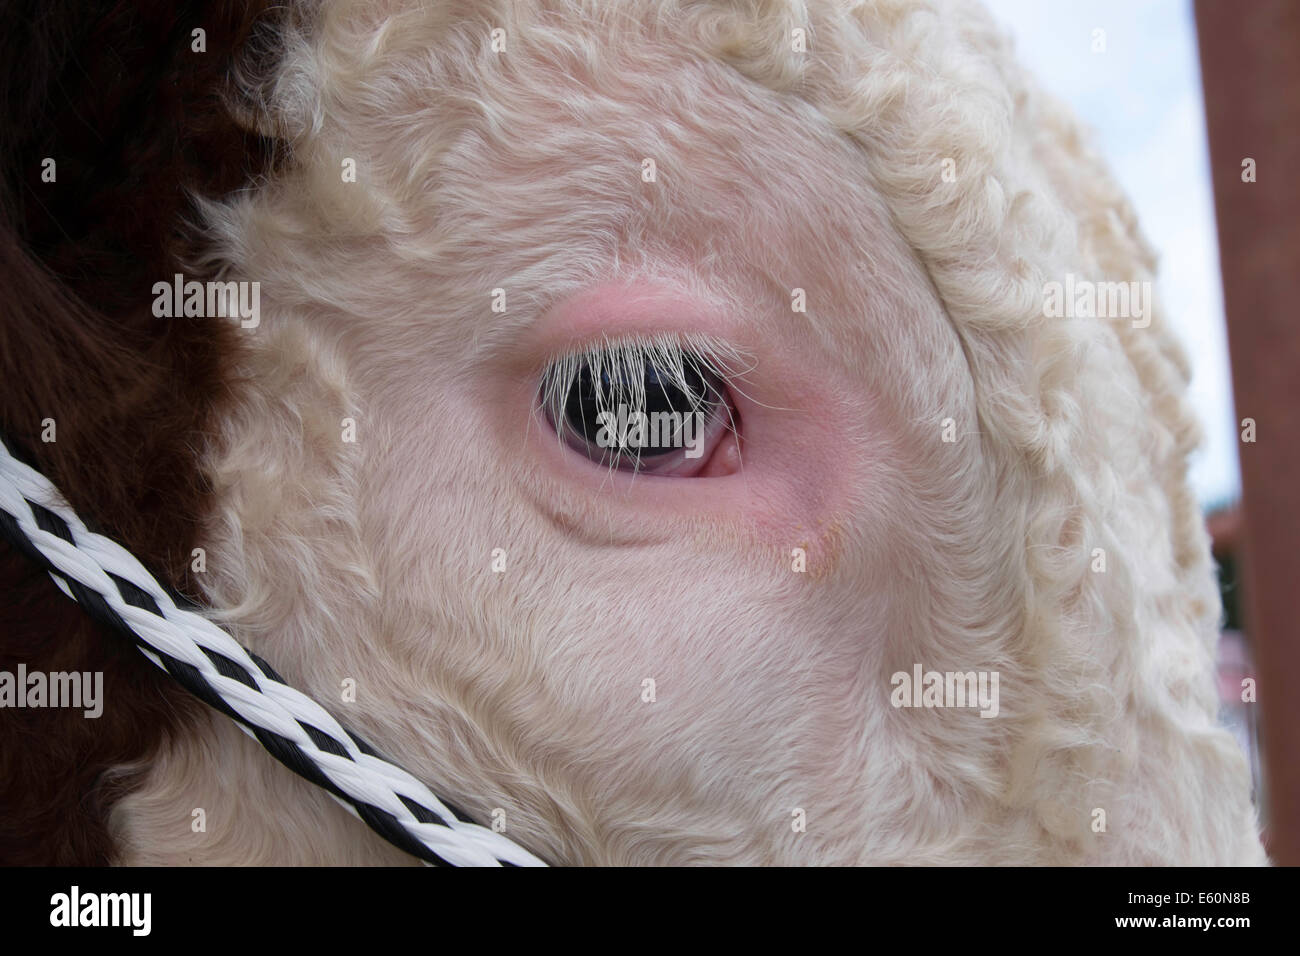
132	117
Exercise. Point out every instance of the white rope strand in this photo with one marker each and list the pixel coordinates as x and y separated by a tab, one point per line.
89	567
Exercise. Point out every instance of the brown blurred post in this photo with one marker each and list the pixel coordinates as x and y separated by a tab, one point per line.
1250	65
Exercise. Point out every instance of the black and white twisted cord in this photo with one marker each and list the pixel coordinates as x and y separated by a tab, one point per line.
116	590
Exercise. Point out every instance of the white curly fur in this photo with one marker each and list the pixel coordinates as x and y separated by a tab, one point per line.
521	690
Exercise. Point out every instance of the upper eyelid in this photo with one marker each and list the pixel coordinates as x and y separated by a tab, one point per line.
666	352
715	355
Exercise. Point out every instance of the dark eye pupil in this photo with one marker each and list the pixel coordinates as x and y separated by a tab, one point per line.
640	387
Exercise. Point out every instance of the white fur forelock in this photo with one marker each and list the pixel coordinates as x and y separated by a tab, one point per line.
521	691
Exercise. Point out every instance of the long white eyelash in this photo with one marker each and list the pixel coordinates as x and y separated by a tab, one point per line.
665	353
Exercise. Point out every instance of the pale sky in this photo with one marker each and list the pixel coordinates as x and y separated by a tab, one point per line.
1142	99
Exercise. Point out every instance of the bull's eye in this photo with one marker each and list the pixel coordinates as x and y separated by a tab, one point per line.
603	407
657	406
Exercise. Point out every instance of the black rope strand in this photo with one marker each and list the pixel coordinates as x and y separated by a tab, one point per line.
281	748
